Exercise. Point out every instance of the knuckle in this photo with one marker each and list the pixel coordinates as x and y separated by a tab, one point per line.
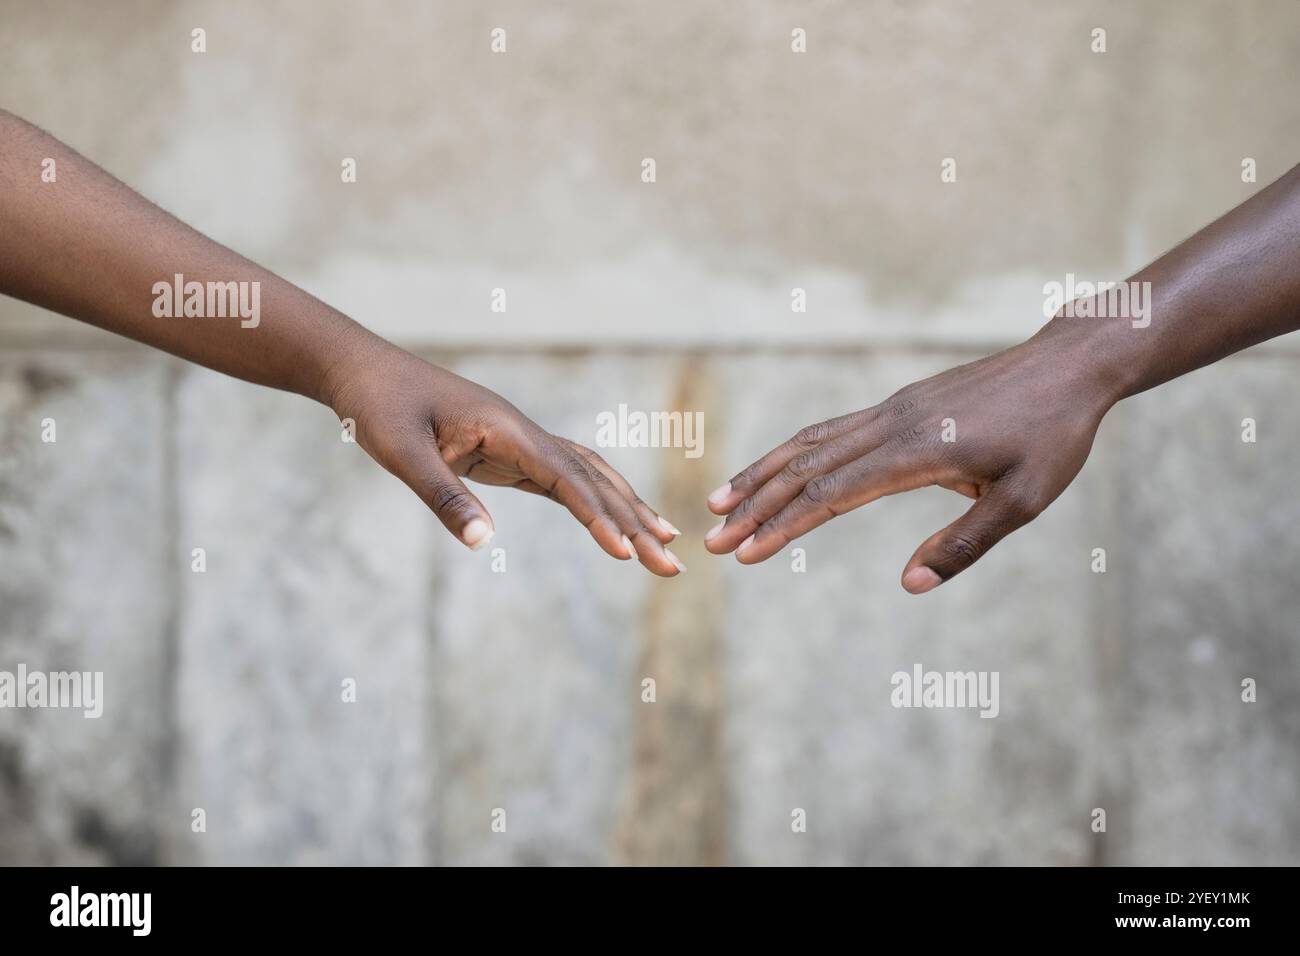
911	436
742	512
821	490
811	435
575	468
449	498
745	479
900	405
456	425
803	466
962	550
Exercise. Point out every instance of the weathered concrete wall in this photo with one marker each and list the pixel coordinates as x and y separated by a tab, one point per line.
521	690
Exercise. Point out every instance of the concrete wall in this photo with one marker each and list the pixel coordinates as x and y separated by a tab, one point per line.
480	690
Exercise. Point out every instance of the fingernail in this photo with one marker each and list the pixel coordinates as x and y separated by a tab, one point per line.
627	543
744	544
476	534
718	495
715	531
667	526
677	562
922	579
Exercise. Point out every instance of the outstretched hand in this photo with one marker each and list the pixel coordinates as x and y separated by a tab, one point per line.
430	428
1010	431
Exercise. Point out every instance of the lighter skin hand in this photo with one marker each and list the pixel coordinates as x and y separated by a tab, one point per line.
1021	424
431	428
88	246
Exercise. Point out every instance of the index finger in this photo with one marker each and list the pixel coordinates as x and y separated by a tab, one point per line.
723	499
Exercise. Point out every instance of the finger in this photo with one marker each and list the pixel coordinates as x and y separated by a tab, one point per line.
454	504
966	540
639	540
456	443
782	488
657	525
850	486
723	499
569	480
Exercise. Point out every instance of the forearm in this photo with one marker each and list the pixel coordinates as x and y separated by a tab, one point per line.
1232	285
89	247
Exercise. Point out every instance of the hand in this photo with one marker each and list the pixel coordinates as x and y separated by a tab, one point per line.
430	427
1020	424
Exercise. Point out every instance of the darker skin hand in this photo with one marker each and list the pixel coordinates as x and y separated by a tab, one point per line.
1010	431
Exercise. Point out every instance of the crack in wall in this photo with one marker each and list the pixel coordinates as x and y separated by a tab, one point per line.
676	807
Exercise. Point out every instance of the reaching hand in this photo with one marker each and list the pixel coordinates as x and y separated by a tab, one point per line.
1011	431
430	427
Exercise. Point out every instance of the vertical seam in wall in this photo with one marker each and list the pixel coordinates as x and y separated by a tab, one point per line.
169	671
675	812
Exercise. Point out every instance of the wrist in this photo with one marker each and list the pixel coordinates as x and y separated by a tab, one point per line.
1092	356
351	356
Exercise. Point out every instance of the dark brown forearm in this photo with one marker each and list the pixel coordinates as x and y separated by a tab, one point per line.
89	247
1232	285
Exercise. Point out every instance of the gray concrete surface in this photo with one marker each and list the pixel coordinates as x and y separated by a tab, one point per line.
479	690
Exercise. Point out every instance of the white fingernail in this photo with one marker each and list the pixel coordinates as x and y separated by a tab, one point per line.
476	534
677	562
718	495
668	527
627	543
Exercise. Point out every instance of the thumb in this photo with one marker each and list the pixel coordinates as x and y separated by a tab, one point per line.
454	504
966	540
